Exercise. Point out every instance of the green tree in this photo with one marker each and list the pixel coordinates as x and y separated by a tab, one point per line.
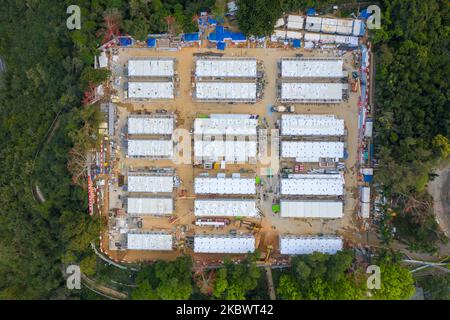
258	17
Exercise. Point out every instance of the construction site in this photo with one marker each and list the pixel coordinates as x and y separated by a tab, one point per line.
212	151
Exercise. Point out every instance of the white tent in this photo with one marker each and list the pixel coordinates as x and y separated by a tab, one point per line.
159	67
312	151
311	68
311	125
306	245
226	67
150	90
313	185
311	209
226	91
149	206
311	92
147	124
209	185
149	183
224	244
225	208
150	148
157	241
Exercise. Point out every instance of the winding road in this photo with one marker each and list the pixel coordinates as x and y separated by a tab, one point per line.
439	189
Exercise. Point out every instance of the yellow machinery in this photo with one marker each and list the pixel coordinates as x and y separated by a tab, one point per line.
268	252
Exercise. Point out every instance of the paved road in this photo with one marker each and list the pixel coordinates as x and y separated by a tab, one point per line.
270	283
438	189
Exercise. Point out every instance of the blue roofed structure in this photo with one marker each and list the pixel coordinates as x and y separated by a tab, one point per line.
151	42
125	41
191	37
364	14
221	34
311	12
221	45
297	43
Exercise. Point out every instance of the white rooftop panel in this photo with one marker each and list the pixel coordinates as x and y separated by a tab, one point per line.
311	209
279	23
208	185
223	244
311	92
150	125
163	67
311	125
226	67
312	68
313	24
225	208
225	126
279	34
149	206
150	148
364	210
295	22
225	91
344	26
313	185
148	183
149	241
308	245
315	37
150	90
365	194
329	25
294	35
312	151
232	151
358	28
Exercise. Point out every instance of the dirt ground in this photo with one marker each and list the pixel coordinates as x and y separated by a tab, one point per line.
186	111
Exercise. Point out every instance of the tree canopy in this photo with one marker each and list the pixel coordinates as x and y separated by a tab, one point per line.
165	280
412	112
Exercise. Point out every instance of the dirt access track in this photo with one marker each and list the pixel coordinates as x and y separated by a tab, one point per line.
186	111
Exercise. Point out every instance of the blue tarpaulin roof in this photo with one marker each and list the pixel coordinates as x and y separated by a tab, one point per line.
221	45
364	14
221	34
310	12
368	178
151	42
125	41
191	37
296	43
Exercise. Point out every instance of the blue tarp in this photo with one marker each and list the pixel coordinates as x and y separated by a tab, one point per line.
221	34
209	21
364	14
310	12
221	45
296	43
368	178
189	37
151	42
125	41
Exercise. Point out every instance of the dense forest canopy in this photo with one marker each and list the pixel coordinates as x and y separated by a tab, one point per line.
412	112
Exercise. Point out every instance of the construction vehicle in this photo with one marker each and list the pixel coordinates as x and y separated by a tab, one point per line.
281	108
